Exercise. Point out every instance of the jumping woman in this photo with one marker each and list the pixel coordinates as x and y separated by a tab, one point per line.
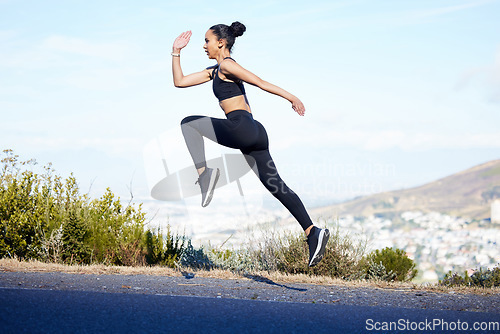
239	130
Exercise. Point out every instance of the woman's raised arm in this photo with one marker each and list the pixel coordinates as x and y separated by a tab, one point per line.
181	80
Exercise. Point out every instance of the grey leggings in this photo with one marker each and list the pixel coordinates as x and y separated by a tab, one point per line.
241	131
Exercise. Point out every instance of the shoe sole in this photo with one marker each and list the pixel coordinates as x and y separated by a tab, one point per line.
324	235
211	188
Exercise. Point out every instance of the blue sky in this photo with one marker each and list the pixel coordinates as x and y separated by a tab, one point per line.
397	93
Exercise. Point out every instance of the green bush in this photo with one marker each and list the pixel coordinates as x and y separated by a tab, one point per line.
116	234
388	264
21	209
484	278
239	260
455	279
45	217
162	250
74	235
289	253
339	261
195	258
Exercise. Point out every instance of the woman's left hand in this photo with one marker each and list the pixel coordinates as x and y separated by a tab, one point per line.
298	106
181	41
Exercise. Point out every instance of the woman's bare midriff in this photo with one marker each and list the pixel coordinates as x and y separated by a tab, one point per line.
235	103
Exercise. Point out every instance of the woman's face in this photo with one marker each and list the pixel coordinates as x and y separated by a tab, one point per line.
212	44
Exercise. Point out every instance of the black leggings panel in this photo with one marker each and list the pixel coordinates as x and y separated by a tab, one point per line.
241	131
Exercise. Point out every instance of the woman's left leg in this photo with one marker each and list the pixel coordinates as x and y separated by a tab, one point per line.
268	175
317	238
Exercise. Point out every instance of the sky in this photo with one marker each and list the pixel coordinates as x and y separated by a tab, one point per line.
397	93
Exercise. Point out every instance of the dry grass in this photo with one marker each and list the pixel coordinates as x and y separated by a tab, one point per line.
100	269
14	265
96	269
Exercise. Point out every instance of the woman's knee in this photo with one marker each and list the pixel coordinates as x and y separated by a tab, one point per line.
189	119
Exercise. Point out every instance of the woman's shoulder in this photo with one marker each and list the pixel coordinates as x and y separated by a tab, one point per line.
211	70
228	64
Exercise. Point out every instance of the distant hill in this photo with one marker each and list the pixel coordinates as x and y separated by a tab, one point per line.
466	194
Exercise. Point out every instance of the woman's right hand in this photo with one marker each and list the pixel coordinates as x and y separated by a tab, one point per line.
298	106
181	41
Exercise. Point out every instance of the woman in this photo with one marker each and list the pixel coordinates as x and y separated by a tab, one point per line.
239	130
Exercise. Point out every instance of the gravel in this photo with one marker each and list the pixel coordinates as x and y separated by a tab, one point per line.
252	287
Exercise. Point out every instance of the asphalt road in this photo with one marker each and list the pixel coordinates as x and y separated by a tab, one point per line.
27	310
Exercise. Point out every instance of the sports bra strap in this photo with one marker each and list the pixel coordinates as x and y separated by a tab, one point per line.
225	59
218	67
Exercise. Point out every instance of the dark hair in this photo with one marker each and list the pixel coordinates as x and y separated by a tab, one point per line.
229	33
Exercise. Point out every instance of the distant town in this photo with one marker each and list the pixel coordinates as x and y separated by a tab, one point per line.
437	242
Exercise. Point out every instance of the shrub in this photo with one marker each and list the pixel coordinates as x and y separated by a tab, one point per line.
289	253
195	258
21	207
74	233
485	278
115	232
376	270
339	261
43	216
162	250
388	264
342	254
239	260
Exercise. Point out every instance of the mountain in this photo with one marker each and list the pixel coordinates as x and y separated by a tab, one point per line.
466	194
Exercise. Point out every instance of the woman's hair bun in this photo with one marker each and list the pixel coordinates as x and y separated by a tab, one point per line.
237	28
229	33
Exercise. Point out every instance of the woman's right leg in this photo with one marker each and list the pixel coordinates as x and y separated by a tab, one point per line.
194	128
221	131
226	132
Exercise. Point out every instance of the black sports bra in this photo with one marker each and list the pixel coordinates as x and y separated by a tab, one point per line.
225	89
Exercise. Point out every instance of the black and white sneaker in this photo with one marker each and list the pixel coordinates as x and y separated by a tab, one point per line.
207	181
317	239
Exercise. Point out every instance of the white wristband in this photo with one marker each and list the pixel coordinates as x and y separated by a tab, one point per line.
176	54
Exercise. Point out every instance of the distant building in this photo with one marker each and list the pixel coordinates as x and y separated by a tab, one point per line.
495	211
